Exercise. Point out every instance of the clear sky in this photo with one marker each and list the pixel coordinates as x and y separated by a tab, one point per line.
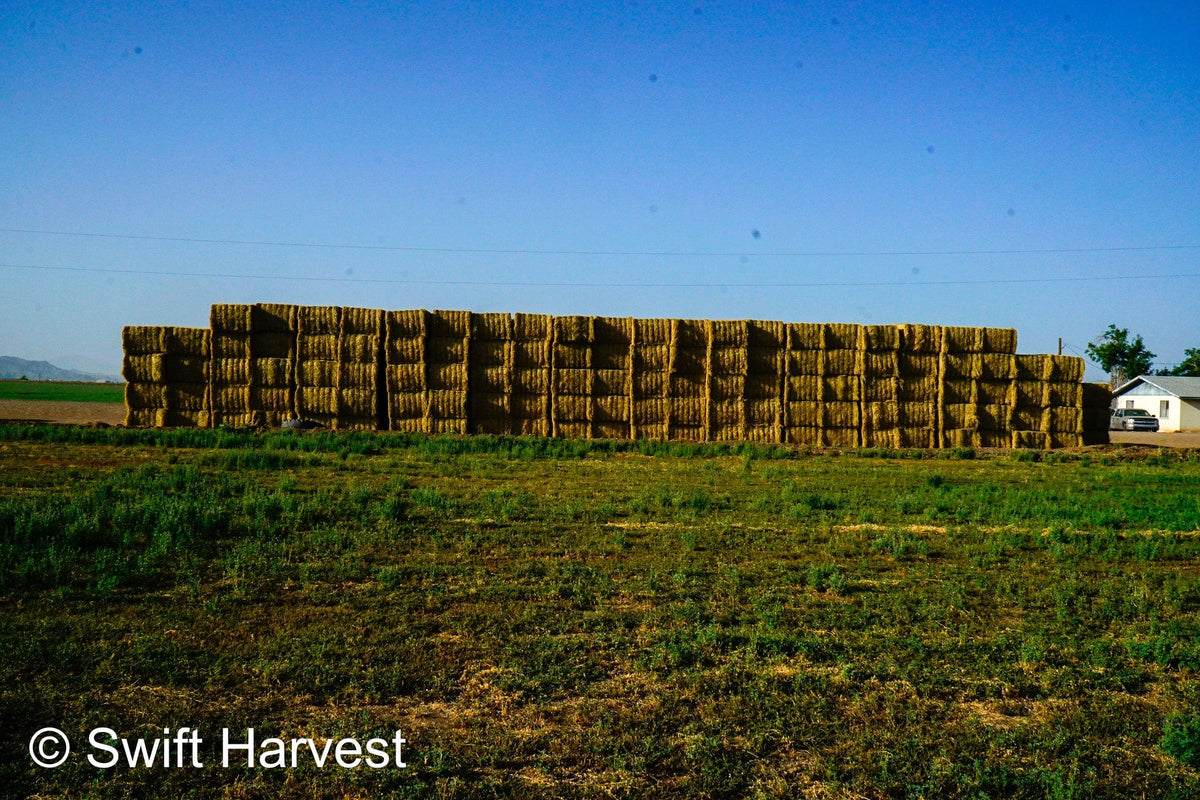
1021	164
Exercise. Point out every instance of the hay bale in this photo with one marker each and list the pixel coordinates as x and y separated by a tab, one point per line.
1064	439
1030	440
229	317
272	345
764	361
960	366
143	369
727	387
364	322
960	416
878	390
447	404
530	427
839	362
317	347
271	373
1064	394
185	369
572	355
999	340
142	339
1030	367
491	328
875	364
804	387
651	357
448	324
995	392
532	327
186	397
691	333
838	414
357	348
926	339
610	382
264	398
841	388
486	354
1027	418
571	407
689	361
319	320
179	341
438	426
406	351
650	384
610	356
766	335
839	336
185	418
805	335
1096	395
810	436
916	415
689	411
1064	369
230	345
763	387
763	413
690	386
805	362
446	377
841	437
879	416
960	339
489	380
573	381
531	381
997	366
727	412
652	332
573	430
650	411
491	406
144	417
994	417
996	439
1028	393
139	395
916	437
405	324
358	376
273	318
889	437
688	433
728	360
956	392
917	365
879	337
958	437
735	432
357	402
729	333
407	405
314	401
763	434
529	406
917	389
531	353
1062	420
445	351
613	330
610	430
610	409
803	414
405	378
229	398
573	329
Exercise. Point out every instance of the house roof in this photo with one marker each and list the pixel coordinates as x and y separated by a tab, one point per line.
1183	388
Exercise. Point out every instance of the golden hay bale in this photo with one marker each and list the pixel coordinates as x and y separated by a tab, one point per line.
959	437
145	395
316	346
142	339
272	317
810	436
271	372
727	387
318	320
611	409
572	430
651	357
650	384
997	366
490	353
575	329
879	337
610	430
446	404
729	333
842	388
357	376
960	339
185	418
357	348
839	362
406	405
804	387
1029	367
878	364
494	327
185	369
727	412
532	327
409	424
1031	440
438	425
144	369
689	411
885	437
1065	439
999	340
960	416
186	341
997	439
408	324
272	345
995	392
917	389
764	434
490	406
732	432
572	355
916	415
405	351
879	416
144	417
532	426
694	333
879	390
689	361
230	345
1028	393
571	407
916	437
448	324
405	378
613	330
610	382
316	400
957	391
186	397
805	335
363	322
921	338
531	353
960	366
445	351
356	402
610	356
652	331
489	379
573	381
652	411
229	317
917	365
1027	418
229	398
688	433
270	399
232	419
688	385
766	335
1064	369
344	423
763	387
530	406
764	361
839	336
532	381
994	417
446	377
728	360
841	437
805	362
803	414
764	412
1062	420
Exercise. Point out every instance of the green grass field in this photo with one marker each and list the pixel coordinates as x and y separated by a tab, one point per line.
63	390
566	619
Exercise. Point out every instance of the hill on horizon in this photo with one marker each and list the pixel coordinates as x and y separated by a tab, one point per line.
13	368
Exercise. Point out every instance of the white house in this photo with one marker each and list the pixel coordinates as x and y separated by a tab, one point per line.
1175	401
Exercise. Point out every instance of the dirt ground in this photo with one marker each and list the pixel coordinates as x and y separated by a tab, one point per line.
1187	439
55	411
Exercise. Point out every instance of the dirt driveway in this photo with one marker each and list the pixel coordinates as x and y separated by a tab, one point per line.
1188	439
56	411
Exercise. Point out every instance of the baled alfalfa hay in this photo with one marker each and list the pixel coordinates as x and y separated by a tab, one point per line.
688	433
766	335
1064	394
917	365
842	388
612	330
962	339
529	406
841	415
406	378
442	324
186	397
316	401
879	337
407	405
357	402
1064	369
803	414
1062	420
531	353
319	320
145	395
573	430
691	333
1065	439
448	377
1028	367
763	434
572	355
610	409
144	417
263	398
917	389
144	368
317	346
271	373
573	381
887	437
997	366
689	411
961	437
728	433
652	331
878	364
1027	418
457	426
729	333
227	345
805	362
960	416
492	380
405	351
810	435
650	411
610	382
491	327
999	340
960	366
364	322
803	388
229	317
918	338
999	439
841	437
233	419
531	381
180	341
804	336
880	390
492	407
533	426
186	418
959	391
728	360
839	336
358	376
229	398
610	356
690	385
1001	392
763	387
442	350
408	324
764	361
916	437
689	361
914	415
764	412
839	362
532	327
358	348
1028	393
610	430
879	416
273	318
1030	440
571	407
185	369
727	412
573	329
994	417
316	373
142	339
488	353
727	387
447	404
651	357
273	344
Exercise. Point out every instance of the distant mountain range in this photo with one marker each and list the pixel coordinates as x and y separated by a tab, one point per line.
13	368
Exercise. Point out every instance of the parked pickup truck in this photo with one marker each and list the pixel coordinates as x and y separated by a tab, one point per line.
1132	419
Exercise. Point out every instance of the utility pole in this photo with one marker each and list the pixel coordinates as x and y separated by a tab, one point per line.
1060	345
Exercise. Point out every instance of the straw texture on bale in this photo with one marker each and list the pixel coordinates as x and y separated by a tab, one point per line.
728	360
689	411
925	339
651	411
1027	418
610	382
805	336
689	361
448	324
763	386
766	335
804	387
691	333
727	387
804	436
273	344
451	377
142	339
447	404
727	412
995	392
841	388
405	324
612	330
318	320
185	418
910	388
839	336
840	437
879	337
610	409
532	381
491	327
840	362
804	414
729	333
534	353
489	380
230	345
805	362
764	412
690	386
144	395
610	356
144	368
652	331
185	369
316	400
531	327
576	329
229	317
572	355
878	364
363	322
186	397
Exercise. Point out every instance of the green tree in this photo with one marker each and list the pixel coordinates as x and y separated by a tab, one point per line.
1120	357
1189	367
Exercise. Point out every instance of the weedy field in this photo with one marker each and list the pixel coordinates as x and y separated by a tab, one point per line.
564	619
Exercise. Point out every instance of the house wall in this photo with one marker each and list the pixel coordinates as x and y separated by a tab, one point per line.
1189	419
1152	403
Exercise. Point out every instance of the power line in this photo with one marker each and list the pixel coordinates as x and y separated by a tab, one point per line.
590	284
643	253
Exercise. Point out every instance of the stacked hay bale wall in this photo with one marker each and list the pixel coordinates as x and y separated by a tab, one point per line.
823	384
166	374
1097	411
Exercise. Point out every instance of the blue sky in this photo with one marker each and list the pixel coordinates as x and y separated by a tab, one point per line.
1009	164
